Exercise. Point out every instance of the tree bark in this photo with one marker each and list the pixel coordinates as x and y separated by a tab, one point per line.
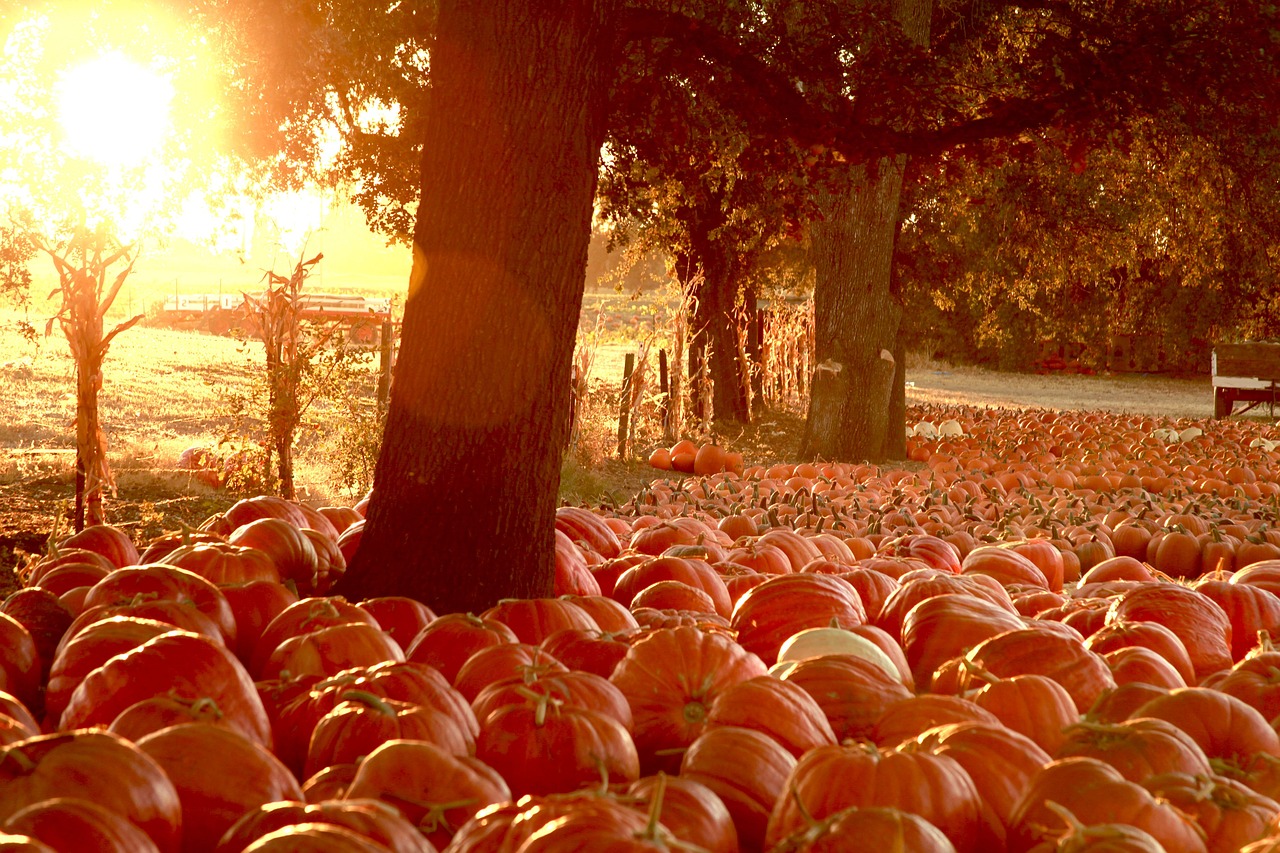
857	402
715	329
714	326
855	320
462	513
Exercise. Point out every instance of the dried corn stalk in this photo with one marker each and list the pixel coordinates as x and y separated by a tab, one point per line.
787	354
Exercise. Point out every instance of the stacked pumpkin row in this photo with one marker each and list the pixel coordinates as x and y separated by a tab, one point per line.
927	705
1095	488
689	458
971	654
1062	705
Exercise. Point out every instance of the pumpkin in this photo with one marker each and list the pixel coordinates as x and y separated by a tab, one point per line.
361	721
1202	625
1138	747
829	779
814	642
772	612
746	769
433	789
944	626
999	761
91	648
1229	812
111	542
906	719
20	666
852	691
532	620
177	663
92	765
876	828
1225	727
596	652
448	641
1095	793
497	663
545	746
223	563
331	649
1124	633
576	688
695	573
219	775
783	710
371	819
302	617
689	809
671	678
1061	656
74	823
293	554
1031	704
163	582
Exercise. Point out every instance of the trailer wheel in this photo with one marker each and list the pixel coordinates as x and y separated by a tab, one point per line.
1221	403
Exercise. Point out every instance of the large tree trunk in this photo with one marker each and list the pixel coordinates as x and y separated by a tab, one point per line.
462	513
855	320
715	328
714	324
857	403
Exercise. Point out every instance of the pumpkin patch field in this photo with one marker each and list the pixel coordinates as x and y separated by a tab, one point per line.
1045	631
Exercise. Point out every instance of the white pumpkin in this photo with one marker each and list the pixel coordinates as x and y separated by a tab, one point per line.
816	642
925	429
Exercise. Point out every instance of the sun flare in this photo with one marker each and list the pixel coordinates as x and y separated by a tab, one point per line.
114	110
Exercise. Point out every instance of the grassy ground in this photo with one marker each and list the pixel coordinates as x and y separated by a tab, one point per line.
166	390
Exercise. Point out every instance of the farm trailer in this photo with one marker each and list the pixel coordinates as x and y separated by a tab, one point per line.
221	312
1245	373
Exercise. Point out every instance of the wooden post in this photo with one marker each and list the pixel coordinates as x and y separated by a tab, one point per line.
624	405
704	390
79	514
755	351
664	398
384	364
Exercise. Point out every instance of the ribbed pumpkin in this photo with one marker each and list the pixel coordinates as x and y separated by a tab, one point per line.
770	613
829	779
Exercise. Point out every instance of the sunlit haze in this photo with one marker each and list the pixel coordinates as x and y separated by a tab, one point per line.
114	110
120	118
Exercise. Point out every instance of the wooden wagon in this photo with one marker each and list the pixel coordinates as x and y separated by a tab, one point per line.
1246	373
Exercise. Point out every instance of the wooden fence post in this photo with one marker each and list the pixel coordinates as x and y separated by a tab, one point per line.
385	348
664	399
704	391
624	405
78	521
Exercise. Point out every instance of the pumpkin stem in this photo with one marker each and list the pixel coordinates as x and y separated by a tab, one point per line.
371	700
652	829
51	544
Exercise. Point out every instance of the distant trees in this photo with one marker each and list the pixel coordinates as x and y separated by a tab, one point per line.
1169	236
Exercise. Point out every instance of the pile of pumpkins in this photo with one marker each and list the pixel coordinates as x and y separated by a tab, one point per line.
703	460
1050	631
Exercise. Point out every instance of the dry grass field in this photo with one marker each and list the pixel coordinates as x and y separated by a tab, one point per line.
166	390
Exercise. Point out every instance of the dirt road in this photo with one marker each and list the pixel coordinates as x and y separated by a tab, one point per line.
1138	393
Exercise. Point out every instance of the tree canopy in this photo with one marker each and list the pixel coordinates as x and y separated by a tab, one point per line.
506	105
